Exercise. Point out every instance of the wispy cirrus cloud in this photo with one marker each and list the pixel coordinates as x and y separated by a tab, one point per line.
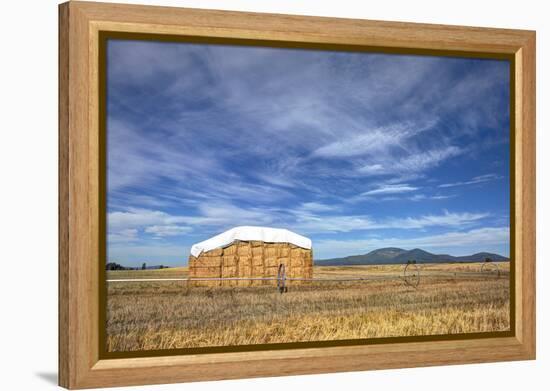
417	162
167	230
371	141
390	189
134	217
447	219
124	235
315	223
475	180
421	197
210	214
317	207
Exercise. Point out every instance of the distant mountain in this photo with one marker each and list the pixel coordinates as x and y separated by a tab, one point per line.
393	255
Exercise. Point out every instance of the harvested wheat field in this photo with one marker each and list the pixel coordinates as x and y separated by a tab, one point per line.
168	315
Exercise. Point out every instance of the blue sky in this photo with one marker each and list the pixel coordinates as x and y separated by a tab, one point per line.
357	151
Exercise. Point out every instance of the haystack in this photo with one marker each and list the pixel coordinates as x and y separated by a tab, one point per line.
247	252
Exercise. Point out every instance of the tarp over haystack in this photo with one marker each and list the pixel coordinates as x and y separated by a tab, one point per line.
251	252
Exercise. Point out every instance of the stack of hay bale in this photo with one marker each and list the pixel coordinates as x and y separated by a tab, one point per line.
251	252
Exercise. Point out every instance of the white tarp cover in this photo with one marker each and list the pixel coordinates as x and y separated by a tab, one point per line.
264	234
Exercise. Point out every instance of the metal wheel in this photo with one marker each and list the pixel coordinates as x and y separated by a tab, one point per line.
281	279
411	274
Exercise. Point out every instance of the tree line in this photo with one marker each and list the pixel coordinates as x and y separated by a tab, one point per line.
117	266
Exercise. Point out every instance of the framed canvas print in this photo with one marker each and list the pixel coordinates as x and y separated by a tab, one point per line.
247	195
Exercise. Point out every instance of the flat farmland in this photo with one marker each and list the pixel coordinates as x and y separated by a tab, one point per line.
450	299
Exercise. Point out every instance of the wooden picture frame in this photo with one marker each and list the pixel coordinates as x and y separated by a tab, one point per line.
81	164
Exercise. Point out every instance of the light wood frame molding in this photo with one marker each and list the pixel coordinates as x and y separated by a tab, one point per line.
80	23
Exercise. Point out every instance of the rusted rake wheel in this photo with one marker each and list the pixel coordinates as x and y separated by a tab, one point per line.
411	274
491	270
281	279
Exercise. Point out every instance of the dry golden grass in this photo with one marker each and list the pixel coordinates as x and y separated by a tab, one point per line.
167	315
174	272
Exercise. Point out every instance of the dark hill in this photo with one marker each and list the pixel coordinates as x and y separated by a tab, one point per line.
394	255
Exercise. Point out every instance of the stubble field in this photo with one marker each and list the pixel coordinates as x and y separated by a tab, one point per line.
171	314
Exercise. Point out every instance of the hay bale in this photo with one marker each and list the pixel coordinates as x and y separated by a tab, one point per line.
211	262
257	251
230	260
258	261
207	272
271	262
228	271
245	271
284	251
271	271
244	251
214	253
297	263
231	250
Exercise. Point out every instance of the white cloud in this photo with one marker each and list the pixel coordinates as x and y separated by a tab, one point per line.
317	207
421	197
372	169
124	225
372	140
209	213
124	235
311	223
390	189
135	217
167	230
441	197
146	162
418	197
226	213
474	180
412	163
447	219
